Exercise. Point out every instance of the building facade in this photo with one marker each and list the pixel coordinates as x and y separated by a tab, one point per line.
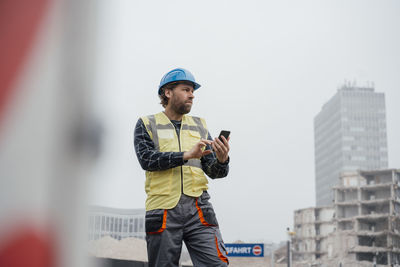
117	223
367	207
312	228
349	134
362	228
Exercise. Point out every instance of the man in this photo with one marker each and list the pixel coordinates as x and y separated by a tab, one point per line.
176	150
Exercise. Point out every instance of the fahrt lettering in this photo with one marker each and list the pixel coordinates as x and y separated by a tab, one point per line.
239	250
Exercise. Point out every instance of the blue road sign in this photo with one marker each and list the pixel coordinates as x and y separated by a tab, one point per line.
245	250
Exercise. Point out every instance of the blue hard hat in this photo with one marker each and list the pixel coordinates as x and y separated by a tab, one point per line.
175	75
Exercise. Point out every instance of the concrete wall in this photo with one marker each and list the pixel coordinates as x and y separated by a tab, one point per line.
379	193
373	225
326	228
381	178
306	231
397	177
396	207
326	214
304	216
347	211
375	209
306	245
347	195
346	225
342	242
352	180
104	262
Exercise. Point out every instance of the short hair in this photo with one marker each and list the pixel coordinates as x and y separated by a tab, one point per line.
170	86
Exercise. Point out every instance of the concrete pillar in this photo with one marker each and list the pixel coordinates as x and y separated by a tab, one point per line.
335	196
356	225
359	198
392	196
101	224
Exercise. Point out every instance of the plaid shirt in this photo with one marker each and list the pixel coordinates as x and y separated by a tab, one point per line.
153	160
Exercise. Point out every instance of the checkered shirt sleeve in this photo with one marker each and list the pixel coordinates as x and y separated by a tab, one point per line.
211	165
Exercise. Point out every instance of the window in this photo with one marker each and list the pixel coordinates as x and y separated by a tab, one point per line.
97	223
136	225
130	225
103	223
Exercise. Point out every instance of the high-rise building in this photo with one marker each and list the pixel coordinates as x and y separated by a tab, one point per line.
349	134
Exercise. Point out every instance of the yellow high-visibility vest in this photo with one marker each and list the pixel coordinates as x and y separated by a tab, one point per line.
164	188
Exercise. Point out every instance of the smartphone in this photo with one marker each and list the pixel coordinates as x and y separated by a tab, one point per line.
224	134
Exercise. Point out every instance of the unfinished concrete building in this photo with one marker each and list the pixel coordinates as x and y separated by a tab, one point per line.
367	208
312	227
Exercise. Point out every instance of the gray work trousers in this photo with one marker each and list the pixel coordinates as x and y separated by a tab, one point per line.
192	221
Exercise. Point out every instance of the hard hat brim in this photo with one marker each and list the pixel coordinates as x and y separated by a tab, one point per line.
195	85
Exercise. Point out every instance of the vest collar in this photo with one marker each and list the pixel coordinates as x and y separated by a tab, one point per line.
184	118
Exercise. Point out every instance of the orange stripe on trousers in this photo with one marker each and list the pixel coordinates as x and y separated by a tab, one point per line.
220	255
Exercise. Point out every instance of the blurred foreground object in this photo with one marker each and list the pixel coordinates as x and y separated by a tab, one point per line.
47	137
27	248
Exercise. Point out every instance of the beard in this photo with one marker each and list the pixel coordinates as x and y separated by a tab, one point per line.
180	107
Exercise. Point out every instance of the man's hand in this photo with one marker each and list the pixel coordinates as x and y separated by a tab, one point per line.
221	149
197	150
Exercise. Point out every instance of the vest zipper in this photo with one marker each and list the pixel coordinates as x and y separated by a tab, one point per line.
180	150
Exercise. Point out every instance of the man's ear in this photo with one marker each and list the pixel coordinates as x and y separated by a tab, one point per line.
168	93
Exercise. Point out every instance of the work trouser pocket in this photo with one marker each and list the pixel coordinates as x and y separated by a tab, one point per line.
221	249
206	211
209	216
156	221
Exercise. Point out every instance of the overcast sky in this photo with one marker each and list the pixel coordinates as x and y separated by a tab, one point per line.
266	68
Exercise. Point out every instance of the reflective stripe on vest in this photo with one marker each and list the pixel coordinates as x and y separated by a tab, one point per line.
163	188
